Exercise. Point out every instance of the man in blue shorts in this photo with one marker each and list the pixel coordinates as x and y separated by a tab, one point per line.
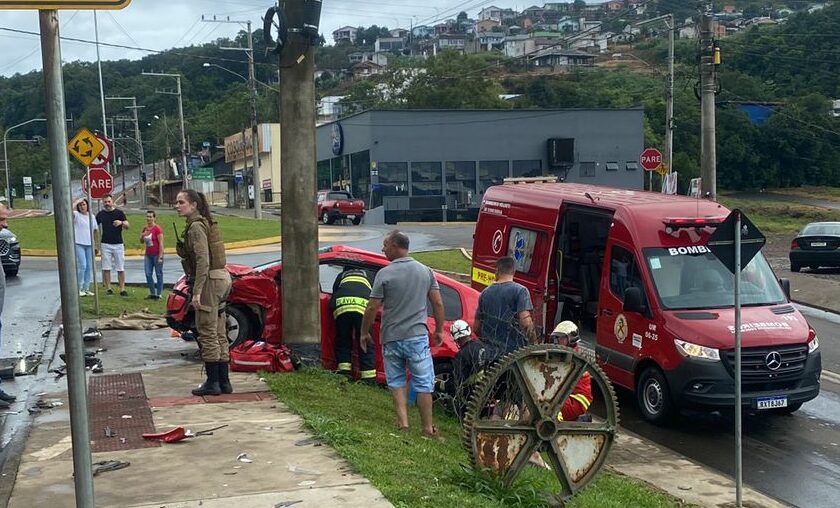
403	287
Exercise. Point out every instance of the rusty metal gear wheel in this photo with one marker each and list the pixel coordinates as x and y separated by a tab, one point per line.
513	414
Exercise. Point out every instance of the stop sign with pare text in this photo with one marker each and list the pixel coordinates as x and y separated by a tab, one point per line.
101	183
650	159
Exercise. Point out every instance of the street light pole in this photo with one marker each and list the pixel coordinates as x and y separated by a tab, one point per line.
134	107
252	84
6	155
181	115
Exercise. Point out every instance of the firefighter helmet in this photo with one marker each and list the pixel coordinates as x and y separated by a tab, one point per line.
460	330
567	329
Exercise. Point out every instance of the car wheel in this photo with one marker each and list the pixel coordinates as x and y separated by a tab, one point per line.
795	268
654	397
12	273
782	411
238	326
357	221
326	219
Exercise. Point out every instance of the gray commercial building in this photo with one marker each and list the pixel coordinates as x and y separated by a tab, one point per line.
413	164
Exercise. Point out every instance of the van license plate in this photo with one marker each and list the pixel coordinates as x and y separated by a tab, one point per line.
351	216
771	402
818	244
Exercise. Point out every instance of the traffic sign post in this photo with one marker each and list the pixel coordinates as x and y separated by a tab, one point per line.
735	242
85	146
650	159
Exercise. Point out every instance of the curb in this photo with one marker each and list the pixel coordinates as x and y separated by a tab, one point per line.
244	244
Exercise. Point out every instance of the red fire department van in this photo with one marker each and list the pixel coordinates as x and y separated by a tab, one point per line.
634	267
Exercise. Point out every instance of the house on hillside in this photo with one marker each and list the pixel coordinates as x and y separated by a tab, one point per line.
486	25
393	44
491	12
520	45
400	33
534	12
613	6
379	58
557	58
568	24
452	41
563	7
485	41
345	33
330	109
688	31
364	70
422	31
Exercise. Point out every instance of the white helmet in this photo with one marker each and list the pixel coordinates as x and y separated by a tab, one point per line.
460	329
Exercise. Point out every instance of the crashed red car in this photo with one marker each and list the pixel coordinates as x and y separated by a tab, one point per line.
254	311
337	205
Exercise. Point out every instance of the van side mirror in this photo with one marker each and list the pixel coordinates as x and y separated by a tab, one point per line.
785	283
634	300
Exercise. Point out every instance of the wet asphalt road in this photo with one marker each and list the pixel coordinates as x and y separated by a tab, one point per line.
794	458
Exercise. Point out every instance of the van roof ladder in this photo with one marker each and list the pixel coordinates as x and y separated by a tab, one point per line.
532	179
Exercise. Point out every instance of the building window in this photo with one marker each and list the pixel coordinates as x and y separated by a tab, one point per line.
632	166
360	171
527	168
492	173
624	272
587	169
426	179
612	166
460	183
393	178
340	167
324	178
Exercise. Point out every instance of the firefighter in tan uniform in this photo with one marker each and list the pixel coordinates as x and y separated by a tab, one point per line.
202	255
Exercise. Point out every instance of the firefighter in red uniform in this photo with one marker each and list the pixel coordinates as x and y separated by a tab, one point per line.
351	292
577	405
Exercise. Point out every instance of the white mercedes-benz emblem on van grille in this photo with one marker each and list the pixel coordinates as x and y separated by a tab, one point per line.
773	360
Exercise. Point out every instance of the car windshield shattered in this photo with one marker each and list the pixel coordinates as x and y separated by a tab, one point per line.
696	279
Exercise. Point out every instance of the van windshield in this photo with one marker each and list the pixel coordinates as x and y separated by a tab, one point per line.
693	278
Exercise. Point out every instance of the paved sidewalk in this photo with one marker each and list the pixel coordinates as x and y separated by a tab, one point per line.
201	471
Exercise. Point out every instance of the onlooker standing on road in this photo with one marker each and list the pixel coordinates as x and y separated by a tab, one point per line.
152	238
503	319
112	221
403	287
5	398
203	259
84	245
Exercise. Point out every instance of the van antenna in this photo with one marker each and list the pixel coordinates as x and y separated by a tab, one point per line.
590	197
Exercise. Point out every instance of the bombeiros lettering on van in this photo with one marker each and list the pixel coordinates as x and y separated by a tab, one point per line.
495	207
761	325
691	249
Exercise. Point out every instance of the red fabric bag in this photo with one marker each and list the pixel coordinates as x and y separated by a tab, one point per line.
251	356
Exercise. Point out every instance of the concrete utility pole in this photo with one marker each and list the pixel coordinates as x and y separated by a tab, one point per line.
252	84
181	116
708	87
669	104
298	184
68	283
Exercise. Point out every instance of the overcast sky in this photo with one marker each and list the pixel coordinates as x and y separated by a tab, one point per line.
161	24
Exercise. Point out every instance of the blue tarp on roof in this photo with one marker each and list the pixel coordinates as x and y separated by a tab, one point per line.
758	113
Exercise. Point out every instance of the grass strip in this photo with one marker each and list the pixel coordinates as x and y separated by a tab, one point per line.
778	216
448	260
114	305
39	232
358	422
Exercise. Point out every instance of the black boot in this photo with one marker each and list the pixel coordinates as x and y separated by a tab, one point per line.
224	378
211	385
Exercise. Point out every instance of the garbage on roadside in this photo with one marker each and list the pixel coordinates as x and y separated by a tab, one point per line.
243	457
109	465
91	334
284	504
20	365
253	356
170	436
142	320
47	404
294	468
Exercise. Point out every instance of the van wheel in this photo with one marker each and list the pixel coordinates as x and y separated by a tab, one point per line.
794	267
782	411
654	397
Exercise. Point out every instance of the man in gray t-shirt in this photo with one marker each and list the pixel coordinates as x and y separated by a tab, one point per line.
503	318
403	287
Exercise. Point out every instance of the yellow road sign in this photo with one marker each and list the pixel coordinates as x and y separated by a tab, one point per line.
662	169
76	5
85	147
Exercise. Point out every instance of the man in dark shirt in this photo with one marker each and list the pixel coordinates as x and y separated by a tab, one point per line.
112	221
503	319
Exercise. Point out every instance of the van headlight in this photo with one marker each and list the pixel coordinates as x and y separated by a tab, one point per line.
813	345
695	351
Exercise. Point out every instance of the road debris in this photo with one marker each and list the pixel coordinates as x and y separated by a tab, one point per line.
243	457
109	465
307	483
283	504
294	468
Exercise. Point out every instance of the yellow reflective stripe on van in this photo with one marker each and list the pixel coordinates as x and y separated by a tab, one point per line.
483	276
356	278
582	399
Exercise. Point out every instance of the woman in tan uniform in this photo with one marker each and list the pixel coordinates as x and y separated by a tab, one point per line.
202	253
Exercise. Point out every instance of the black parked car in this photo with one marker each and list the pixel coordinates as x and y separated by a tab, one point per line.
9	252
815	246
